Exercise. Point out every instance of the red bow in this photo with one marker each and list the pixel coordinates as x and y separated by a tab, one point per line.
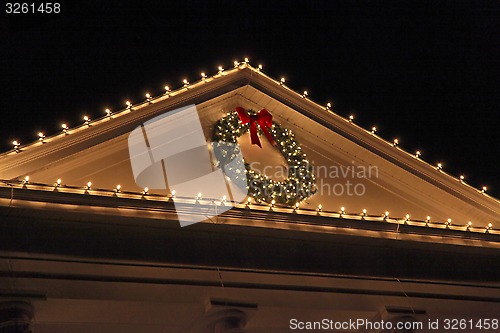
263	118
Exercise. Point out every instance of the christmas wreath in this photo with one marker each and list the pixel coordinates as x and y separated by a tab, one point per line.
300	184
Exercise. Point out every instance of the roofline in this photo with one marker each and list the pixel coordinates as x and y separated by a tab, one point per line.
60	145
155	206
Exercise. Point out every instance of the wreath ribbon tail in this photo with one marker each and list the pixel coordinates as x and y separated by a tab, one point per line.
253	134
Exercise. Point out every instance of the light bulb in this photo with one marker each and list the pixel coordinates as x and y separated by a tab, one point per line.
16	145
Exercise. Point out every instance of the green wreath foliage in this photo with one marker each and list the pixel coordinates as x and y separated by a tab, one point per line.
300	184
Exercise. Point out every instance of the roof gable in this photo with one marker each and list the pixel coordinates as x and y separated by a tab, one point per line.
399	182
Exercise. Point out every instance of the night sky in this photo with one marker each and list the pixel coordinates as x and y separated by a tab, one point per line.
426	73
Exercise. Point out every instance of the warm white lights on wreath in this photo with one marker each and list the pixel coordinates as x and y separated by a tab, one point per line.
300	183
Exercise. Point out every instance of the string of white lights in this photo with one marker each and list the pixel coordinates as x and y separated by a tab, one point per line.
88	189
18	148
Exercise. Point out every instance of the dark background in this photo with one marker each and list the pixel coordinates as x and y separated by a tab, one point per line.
425	72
